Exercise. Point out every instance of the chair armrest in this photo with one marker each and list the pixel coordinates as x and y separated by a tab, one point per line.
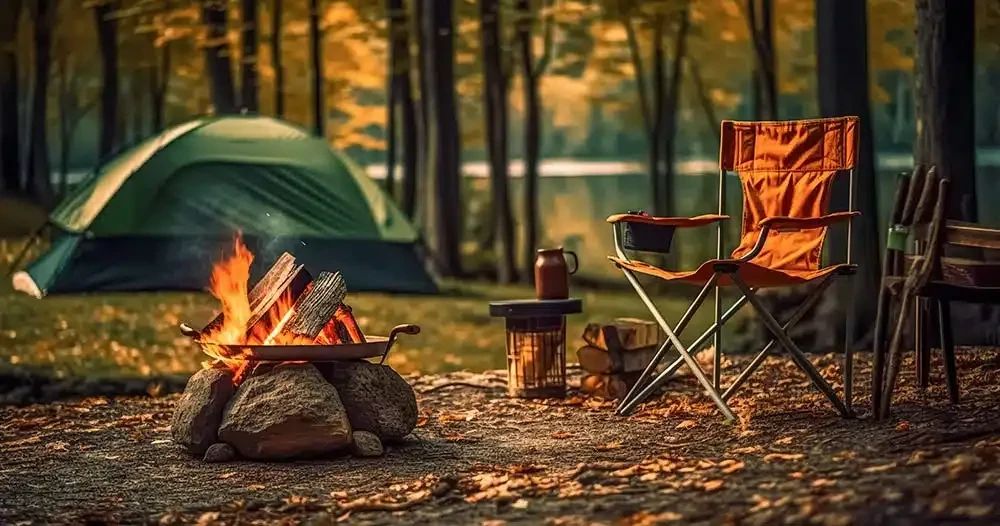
805	223
679	222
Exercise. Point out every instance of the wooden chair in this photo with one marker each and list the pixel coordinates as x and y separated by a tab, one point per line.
938	281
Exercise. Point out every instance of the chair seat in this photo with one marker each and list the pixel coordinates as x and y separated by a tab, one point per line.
755	276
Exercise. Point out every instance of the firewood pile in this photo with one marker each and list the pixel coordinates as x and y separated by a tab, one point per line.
260	399
615	354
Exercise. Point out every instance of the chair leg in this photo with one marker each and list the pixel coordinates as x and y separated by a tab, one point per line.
948	348
665	346
797	355
807	304
895	354
694	349
849	349
688	359
878	350
922	343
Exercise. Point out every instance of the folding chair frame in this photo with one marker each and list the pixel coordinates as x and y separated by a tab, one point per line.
641	390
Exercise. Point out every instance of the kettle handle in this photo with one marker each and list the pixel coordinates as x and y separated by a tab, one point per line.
576	261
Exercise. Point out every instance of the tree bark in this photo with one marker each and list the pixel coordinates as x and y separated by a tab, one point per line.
41	174
315	53
531	72
159	83
760	16
107	42
945	93
496	115
402	110
217	61
421	215
10	129
249	80
842	66
279	71
444	207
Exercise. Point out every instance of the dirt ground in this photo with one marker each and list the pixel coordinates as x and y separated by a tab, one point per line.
478	457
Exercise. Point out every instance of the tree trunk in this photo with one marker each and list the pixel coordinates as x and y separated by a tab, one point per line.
315	47
669	126
107	42
249	80
159	82
444	195
390	136
10	129
402	111
67	107
422	118
138	103
496	115
760	16
946	99
279	71
842	66
217	62
41	175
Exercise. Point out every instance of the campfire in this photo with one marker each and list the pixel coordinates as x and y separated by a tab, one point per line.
288	375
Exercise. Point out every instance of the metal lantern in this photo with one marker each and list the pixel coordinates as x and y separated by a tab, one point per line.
536	345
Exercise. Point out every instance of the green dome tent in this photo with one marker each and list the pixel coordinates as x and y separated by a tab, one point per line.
158	216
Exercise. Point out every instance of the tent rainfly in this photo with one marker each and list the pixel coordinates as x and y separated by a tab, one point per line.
159	215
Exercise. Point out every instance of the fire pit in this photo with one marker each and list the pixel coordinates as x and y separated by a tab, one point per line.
288	376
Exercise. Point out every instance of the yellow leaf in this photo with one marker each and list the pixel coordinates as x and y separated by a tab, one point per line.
712	485
687	424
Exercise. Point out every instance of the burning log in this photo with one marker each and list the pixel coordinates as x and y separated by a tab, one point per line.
281	286
314	308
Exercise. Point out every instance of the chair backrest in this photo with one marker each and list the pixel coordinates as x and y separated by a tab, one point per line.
786	169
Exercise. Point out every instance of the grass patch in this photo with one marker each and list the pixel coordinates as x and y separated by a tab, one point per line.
108	335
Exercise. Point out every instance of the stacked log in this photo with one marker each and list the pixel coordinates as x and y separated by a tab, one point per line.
615	355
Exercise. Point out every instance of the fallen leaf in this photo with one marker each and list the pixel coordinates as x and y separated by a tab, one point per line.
712	485
822	483
561	435
227	475
57	446
732	468
339	495
687	424
782	456
903	426
880	468
255	487
422	421
784	441
609	446
747	450
520	504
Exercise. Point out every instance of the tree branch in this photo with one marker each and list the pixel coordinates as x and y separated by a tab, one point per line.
548	40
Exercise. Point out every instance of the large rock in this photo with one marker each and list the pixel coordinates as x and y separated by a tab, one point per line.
377	399
287	412
199	411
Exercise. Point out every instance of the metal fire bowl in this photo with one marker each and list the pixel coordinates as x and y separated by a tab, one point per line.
375	346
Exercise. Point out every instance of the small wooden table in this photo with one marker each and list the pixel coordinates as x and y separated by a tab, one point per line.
536	345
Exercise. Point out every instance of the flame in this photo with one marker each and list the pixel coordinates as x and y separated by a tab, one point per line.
229	284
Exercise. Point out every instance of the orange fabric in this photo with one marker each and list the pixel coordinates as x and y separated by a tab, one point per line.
786	170
802	223
755	276
668	221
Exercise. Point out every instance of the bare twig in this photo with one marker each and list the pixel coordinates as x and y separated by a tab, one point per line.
461	384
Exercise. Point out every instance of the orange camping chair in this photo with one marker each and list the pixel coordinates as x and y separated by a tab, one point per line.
786	169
